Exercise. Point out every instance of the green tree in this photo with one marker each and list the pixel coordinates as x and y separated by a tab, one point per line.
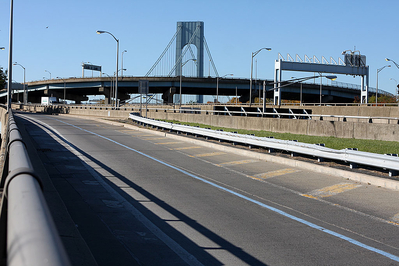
383	99
3	79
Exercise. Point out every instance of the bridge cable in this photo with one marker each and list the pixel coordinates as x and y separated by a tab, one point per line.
164	52
210	56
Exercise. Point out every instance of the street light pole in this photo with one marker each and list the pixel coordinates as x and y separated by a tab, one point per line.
264	96
321	87
397	89
387	59
9	84
117	65
300	96
252	65
125	51
376	89
48	72
25	100
217	86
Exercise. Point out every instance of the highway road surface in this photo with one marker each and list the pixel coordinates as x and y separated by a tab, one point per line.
139	198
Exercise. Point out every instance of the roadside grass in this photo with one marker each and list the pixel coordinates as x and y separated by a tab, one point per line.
374	146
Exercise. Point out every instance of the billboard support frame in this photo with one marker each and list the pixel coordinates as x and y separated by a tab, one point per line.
355	70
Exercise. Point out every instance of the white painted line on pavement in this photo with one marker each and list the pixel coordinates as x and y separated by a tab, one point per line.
292	217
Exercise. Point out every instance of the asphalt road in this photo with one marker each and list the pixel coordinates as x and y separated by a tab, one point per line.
135	198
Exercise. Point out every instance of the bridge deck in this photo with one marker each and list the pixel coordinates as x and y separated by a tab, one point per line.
78	89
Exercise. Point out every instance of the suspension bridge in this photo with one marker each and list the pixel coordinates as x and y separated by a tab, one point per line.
186	67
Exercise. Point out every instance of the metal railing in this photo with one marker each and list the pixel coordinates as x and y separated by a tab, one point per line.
28	233
258	113
351	156
284	113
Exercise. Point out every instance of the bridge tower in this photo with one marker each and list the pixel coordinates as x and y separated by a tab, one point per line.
190	33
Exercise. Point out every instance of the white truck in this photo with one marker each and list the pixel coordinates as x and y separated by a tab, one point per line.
49	100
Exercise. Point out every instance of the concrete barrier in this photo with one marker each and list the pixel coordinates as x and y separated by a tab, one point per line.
357	128
338	129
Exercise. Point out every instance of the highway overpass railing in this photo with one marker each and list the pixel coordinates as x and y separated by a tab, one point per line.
244	110
27	231
352	156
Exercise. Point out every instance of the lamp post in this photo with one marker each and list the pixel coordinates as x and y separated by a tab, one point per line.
387	59
331	77
9	74
300	92
25	100
64	88
117	65
2	48
48	72
217	86
376	89
181	74
252	66
115	75
321	88
397	88
121	70
125	51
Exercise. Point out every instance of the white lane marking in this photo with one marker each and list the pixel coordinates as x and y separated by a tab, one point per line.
179	250
300	220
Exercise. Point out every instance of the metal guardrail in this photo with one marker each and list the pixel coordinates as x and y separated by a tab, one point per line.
226	111
351	156
28	233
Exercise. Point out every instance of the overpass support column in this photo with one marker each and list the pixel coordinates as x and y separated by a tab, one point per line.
364	89
167	96
277	79
107	93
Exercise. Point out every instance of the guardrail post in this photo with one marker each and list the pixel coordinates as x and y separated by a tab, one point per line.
353	165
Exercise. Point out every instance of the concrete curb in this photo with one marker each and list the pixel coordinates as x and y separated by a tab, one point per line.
359	177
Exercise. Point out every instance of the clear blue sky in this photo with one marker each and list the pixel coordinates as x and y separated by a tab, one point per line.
59	35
